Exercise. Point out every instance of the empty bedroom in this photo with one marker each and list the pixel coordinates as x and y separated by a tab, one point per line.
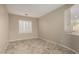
39	28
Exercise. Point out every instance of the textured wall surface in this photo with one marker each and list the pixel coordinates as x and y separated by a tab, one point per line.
51	26
14	28
3	28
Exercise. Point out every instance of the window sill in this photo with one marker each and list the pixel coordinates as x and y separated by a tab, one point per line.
73	33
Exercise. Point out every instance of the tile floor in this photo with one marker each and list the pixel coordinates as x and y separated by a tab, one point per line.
35	46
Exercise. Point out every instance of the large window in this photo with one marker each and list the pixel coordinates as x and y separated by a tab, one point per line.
76	26
25	26
72	20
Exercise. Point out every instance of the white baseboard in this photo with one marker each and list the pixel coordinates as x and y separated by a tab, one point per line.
23	39
59	44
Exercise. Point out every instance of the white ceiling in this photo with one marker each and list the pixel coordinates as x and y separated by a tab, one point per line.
32	10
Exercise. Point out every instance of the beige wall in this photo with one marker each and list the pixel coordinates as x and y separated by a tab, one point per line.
3	28
14	28
51	26
75	42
